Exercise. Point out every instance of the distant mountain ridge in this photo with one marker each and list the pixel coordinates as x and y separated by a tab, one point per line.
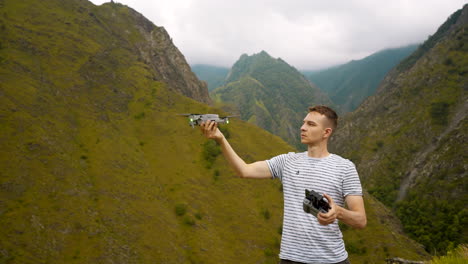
346	85
270	93
213	75
409	139
349	84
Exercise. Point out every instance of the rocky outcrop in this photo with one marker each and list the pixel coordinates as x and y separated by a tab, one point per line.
402	261
167	61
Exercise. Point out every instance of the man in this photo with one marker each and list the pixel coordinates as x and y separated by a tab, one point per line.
305	238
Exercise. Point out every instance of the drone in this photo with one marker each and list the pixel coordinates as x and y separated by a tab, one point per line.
197	119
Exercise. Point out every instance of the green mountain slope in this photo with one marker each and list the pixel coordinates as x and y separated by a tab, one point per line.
96	165
98	168
409	140
349	84
269	93
214	76
97	33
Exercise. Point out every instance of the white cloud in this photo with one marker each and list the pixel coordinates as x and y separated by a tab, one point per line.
307	34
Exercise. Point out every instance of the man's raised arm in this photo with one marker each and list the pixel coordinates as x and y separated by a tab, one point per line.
257	169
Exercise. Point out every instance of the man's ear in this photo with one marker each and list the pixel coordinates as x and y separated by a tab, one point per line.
328	132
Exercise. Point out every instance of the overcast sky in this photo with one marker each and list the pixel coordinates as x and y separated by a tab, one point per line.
307	34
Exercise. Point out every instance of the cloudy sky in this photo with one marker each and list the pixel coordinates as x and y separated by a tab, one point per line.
308	34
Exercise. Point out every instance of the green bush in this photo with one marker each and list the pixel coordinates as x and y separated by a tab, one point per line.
140	116
439	113
216	174
225	131
353	249
180	209
268	252
199	216
436	224
189	221
210	151
266	214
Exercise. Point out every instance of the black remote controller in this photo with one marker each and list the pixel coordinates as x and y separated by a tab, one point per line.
314	203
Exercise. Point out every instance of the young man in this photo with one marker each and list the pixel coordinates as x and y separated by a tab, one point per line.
306	238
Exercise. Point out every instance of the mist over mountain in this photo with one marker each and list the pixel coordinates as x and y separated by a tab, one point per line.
349	84
270	93
409	140
213	75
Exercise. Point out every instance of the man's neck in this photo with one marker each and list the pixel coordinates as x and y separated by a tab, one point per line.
318	151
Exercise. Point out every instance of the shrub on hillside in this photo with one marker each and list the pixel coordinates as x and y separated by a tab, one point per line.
210	151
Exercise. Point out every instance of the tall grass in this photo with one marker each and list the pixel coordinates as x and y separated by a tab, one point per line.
457	256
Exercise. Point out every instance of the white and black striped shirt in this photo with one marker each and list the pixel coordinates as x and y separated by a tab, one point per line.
304	239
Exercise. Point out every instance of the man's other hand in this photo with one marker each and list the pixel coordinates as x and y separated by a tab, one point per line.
331	215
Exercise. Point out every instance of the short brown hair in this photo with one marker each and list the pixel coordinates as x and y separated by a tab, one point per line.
328	112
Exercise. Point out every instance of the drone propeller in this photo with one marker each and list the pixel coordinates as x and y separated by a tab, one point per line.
188	114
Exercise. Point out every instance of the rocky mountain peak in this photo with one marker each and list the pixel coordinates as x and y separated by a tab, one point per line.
169	64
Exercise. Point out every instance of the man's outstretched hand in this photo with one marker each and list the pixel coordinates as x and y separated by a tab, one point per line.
210	130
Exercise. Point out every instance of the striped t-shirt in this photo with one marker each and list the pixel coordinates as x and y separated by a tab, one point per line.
304	239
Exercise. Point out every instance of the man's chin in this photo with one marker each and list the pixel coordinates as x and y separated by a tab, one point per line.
308	142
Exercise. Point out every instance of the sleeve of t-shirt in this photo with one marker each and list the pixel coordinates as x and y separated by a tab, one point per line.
351	182
276	165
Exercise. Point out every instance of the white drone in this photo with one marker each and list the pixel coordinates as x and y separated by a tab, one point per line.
197	119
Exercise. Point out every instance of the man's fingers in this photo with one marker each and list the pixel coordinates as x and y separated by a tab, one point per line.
202	127
209	125
208	128
330	216
212	125
323	220
324	216
329	199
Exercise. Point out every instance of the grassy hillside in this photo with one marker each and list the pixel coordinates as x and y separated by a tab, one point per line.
98	168
96	165
134	188
409	139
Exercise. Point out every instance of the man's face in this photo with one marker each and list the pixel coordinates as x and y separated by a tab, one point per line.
315	128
